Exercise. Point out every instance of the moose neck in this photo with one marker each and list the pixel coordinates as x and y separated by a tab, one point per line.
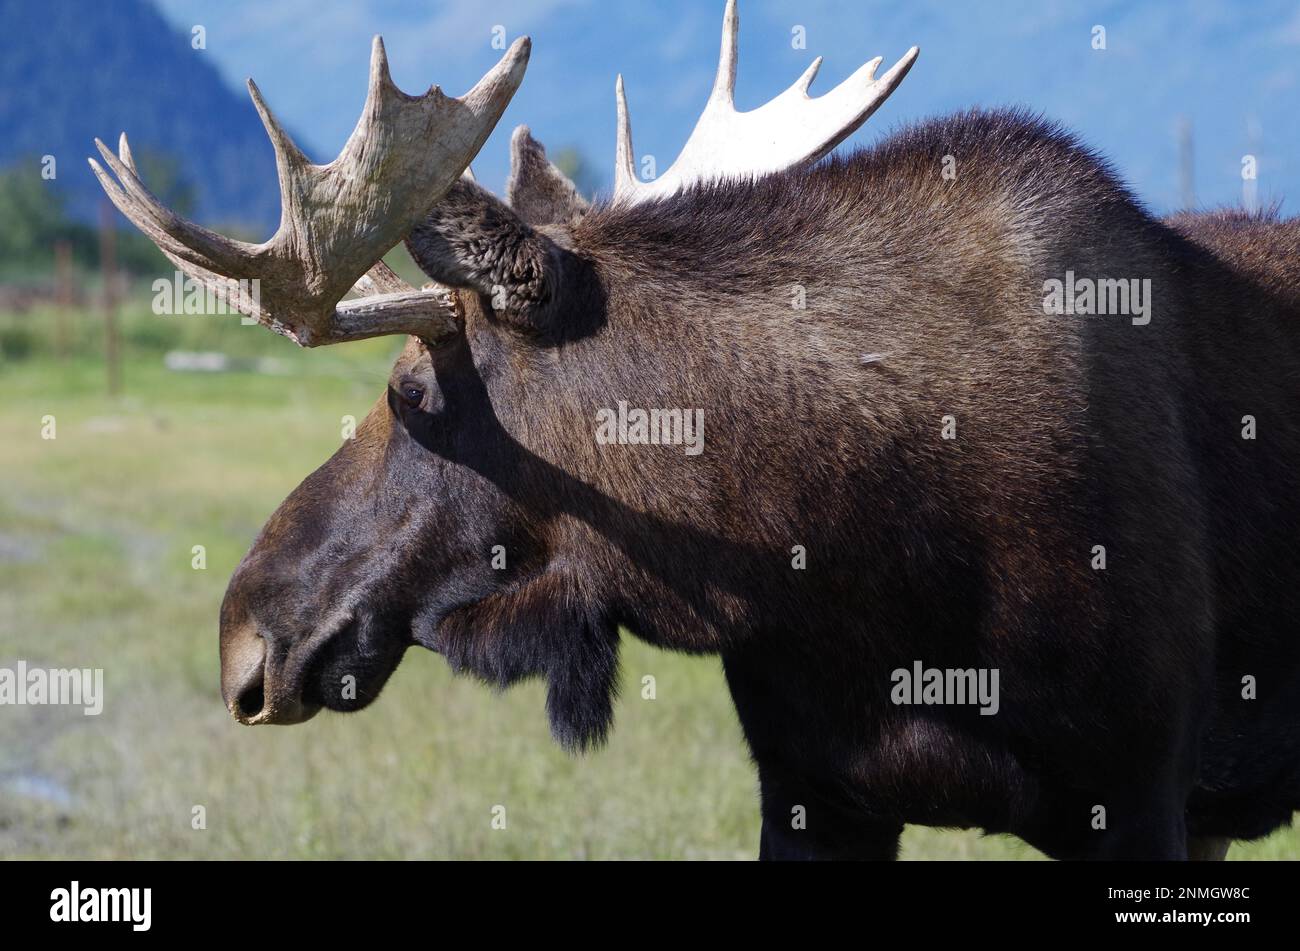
727	357
845	331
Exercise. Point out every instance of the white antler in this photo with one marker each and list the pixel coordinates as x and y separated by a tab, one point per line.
790	130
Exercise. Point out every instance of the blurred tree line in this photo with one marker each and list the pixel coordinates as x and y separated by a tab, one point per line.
574	164
34	220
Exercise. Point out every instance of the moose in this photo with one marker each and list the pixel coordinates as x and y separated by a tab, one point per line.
910	460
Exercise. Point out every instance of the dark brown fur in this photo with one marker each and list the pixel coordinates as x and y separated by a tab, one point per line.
1120	688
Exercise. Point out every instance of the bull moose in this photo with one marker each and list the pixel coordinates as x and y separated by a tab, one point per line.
961	405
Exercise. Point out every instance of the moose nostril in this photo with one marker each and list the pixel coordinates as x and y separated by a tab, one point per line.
243	670
251	698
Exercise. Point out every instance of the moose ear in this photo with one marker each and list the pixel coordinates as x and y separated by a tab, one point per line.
471	239
538	191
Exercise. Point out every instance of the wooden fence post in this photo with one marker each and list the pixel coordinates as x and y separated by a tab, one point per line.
108	266
63	298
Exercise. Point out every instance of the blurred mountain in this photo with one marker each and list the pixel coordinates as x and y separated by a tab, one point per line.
71	70
1194	71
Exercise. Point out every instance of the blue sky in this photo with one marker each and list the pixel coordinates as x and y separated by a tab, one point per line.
1231	68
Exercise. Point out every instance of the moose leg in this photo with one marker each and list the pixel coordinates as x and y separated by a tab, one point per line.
778	843
807	813
1208	848
1140	825
801	824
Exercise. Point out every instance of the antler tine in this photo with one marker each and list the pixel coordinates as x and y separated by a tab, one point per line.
809	74
337	220
287	153
625	178
790	130
724	84
855	99
183	238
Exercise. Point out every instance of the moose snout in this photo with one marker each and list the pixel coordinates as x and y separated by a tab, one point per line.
243	677
256	692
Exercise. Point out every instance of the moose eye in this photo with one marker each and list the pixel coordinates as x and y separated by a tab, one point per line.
412	394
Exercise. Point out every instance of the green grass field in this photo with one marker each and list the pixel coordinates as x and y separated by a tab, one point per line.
97	528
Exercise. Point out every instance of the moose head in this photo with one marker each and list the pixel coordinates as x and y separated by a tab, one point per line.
477	512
